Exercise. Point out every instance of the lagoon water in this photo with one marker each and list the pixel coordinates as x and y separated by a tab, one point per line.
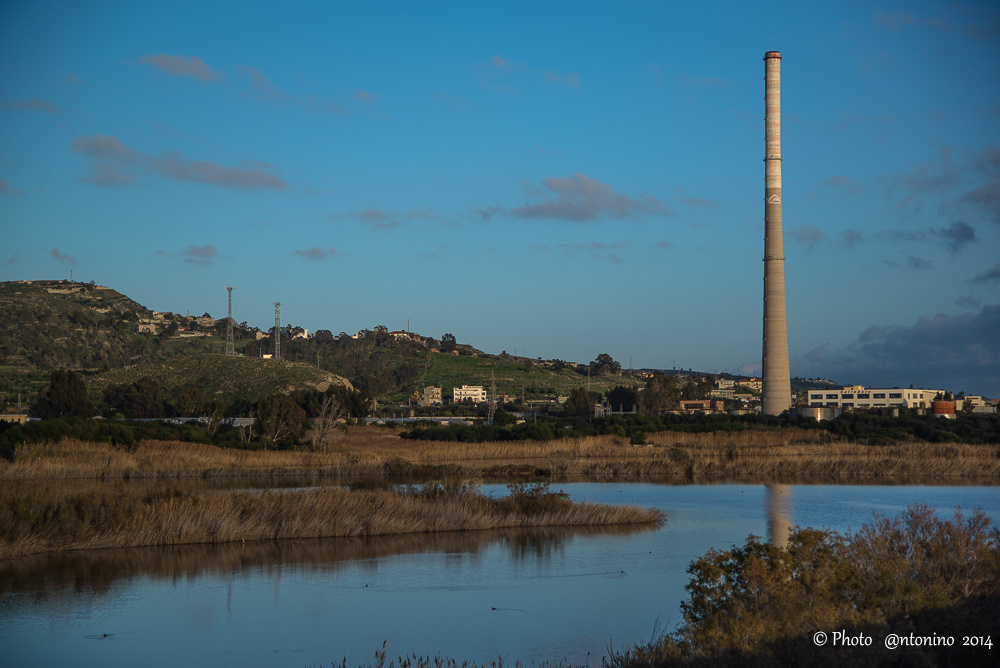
531	596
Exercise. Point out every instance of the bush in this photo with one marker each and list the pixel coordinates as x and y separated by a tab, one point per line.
533	498
759	605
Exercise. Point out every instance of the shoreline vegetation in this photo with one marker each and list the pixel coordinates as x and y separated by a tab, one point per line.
47	519
789	455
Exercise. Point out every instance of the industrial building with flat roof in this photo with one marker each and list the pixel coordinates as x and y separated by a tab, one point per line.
858	396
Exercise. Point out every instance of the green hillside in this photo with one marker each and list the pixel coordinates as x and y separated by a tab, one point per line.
511	378
221	377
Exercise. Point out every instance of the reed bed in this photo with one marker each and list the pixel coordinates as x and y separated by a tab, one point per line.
373	451
114	516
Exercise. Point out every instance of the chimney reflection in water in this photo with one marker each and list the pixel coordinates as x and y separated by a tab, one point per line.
778	499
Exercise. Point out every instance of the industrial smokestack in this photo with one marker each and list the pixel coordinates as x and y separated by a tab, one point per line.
777	387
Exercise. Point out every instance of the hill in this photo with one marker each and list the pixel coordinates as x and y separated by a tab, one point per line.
95	330
222	377
113	339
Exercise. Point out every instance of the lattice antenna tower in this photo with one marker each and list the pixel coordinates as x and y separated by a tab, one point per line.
277	330
230	346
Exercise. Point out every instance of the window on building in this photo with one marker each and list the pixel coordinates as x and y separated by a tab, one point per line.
849	404
895	395
879	395
847	396
832	396
864	396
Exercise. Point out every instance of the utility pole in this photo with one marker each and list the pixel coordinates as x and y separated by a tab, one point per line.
230	346
493	399
277	330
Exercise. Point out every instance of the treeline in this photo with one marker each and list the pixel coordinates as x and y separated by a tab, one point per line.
277	420
864	429
144	399
832	600
635	427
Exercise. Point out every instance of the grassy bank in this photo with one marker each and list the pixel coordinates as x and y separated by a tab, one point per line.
670	456
109	516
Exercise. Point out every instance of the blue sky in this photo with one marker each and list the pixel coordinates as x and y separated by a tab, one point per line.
563	179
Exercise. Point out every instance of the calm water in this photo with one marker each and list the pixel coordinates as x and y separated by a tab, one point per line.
528	595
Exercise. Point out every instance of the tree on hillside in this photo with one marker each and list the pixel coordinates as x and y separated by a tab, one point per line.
604	365
65	396
448	343
698	388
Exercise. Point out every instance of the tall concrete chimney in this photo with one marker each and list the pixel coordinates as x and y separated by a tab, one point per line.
777	390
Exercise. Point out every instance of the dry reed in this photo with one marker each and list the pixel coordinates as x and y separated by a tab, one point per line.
111	516
372	451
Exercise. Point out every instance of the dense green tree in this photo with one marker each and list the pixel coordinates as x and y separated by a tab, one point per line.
141	399
579	403
623	398
190	402
280	422
662	393
448	343
65	396
502	418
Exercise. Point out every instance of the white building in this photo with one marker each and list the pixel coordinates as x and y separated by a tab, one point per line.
859	396
475	392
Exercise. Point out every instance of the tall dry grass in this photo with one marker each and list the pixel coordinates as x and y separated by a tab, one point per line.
373	451
110	516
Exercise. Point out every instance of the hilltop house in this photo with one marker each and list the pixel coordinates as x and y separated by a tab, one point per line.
474	392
